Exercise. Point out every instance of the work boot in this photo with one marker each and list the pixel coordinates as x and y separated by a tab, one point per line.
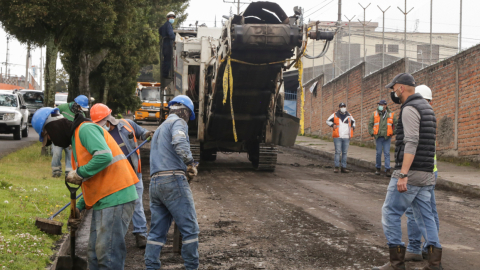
140	240
388	173
336	170
434	259
409	256
377	171
344	170
56	174
397	259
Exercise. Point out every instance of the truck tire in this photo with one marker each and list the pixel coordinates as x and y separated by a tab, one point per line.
17	134
25	131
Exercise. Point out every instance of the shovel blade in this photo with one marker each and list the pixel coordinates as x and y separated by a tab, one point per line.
66	263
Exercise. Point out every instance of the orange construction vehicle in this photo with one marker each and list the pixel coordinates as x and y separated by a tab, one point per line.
152	108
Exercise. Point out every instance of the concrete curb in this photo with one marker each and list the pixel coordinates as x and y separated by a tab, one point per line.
441	183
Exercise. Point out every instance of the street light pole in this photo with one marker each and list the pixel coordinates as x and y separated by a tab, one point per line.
405	31
383	36
460	45
431	18
349	35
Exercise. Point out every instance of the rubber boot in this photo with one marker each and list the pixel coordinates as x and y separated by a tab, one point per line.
344	170
409	256
388	173
377	171
336	170
434	259
397	259
140	240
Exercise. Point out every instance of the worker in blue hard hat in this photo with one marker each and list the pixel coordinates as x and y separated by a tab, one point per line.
107	179
171	167
68	110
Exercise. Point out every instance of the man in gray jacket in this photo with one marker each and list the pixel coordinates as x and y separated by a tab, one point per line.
413	177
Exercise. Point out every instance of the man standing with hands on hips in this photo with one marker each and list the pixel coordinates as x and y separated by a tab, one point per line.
413	178
343	126
382	127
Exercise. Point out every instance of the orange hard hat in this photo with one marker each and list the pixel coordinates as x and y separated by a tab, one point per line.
99	111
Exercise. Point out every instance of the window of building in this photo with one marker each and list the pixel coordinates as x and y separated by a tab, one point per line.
378	48
423	53
392	48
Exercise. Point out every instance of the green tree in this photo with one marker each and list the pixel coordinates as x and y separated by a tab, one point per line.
49	23
62	81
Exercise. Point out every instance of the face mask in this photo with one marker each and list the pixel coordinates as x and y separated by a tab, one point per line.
380	108
107	128
171	21
343	110
395	98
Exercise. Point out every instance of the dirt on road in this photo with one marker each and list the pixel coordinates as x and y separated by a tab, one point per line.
302	216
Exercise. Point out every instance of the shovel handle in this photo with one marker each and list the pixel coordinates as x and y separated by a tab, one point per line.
63	208
138	147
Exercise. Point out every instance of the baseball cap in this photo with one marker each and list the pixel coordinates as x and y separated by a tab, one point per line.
382	102
342	105
402	78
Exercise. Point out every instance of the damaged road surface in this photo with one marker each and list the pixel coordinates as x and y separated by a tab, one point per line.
302	216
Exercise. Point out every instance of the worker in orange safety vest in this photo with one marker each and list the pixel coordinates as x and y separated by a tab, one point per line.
382	127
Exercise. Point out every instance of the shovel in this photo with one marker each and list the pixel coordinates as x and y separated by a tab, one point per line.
71	262
51	226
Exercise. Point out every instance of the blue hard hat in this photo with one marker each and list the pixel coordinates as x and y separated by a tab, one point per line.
182	99
39	118
82	100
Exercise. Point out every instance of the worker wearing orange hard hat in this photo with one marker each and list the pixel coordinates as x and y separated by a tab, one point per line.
126	132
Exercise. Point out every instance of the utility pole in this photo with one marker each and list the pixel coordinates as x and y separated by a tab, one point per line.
215	20
405	32
41	68
383	36
364	24
339	41
460	45
26	67
238	4
431	18
349	35
6	59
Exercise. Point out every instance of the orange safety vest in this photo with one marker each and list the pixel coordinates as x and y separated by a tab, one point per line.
115	177
336	131
376	123
139	168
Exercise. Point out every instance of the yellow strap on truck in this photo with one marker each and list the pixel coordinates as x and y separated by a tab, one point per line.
228	81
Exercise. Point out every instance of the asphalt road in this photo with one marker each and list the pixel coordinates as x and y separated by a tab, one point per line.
9	145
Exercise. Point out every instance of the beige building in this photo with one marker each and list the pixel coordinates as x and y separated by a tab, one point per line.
418	47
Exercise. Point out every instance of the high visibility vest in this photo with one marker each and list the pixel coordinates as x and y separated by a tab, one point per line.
336	131
139	168
115	177
376	123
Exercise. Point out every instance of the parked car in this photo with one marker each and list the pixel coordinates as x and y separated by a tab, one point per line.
13	114
34	101
60	98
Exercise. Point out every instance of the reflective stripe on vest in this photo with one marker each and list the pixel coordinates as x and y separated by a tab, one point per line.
139	167
115	177
336	131
376	123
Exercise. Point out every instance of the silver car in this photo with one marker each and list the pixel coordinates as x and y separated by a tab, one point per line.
13	114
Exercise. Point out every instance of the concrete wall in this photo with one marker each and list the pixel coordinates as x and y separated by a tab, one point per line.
455	84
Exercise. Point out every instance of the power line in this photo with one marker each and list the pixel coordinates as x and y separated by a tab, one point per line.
316	5
319	9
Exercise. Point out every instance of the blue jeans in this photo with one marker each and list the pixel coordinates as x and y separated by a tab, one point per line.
106	247
341	147
385	145
139	220
57	159
171	199
396	203
414	234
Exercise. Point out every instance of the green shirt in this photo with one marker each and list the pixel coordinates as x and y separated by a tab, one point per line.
91	136
66	111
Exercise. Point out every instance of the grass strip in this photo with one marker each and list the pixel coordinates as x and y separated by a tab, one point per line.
27	190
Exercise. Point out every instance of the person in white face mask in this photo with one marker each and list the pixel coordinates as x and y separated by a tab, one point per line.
343	126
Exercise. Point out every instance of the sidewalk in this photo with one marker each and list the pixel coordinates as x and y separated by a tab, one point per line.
463	179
